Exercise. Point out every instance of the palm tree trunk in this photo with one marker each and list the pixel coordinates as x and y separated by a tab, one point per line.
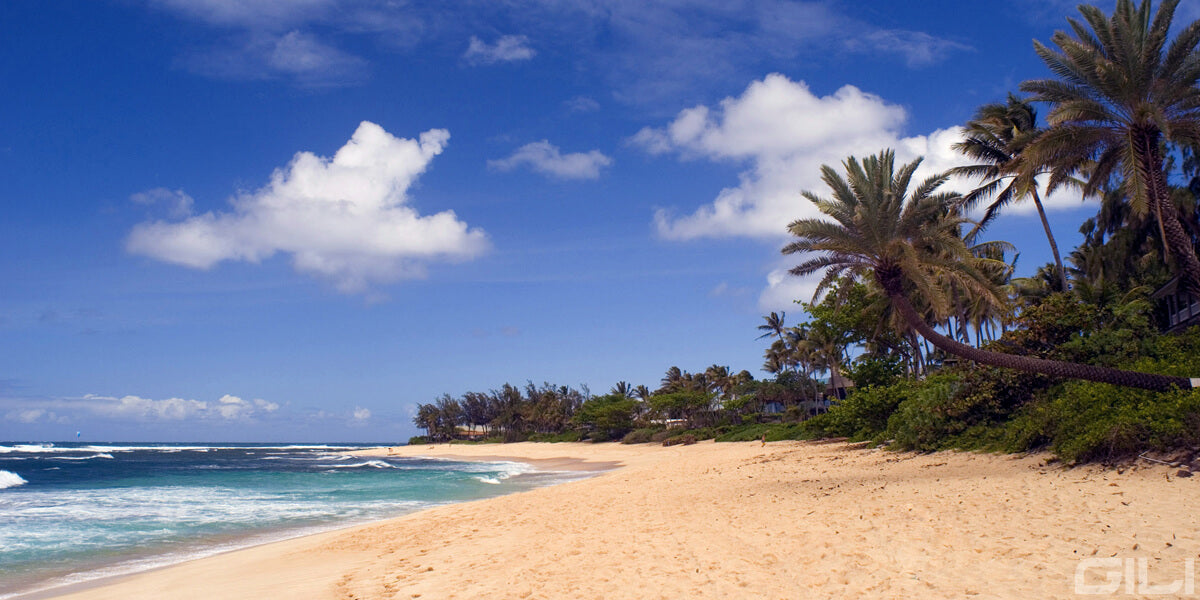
1058	264
1178	243
1053	368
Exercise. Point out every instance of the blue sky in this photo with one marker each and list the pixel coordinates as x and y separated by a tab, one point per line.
250	220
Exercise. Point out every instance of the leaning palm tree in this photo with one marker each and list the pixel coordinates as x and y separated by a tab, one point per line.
997	138
910	243
1119	95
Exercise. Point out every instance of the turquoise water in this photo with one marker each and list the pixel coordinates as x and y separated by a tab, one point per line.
70	513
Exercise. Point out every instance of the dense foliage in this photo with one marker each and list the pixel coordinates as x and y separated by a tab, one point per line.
923	339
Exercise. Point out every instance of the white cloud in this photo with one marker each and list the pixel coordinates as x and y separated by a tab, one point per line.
344	219
28	415
292	41
508	48
783	134
361	414
249	13
301	54
178	204
919	49
265	405
784	289
582	104
547	159
137	408
296	56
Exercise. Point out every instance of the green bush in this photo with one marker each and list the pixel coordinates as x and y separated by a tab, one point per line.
773	431
863	415
566	436
928	417
417	440
1083	421
640	436
1099	422
686	439
663	435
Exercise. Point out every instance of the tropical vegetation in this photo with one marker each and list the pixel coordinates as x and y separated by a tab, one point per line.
920	336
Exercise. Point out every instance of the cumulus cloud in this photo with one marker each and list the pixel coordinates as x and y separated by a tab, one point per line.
508	48
27	415
344	219
361	414
544	157
139	409
783	133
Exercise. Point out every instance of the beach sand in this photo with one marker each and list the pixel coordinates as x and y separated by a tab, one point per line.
741	520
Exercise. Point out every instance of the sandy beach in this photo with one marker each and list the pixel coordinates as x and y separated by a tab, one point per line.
785	520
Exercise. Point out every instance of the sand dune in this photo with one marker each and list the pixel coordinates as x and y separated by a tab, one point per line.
788	520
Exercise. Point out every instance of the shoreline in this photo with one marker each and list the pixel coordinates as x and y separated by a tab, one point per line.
568	469
729	520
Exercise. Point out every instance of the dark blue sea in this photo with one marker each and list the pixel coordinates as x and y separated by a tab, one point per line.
71	513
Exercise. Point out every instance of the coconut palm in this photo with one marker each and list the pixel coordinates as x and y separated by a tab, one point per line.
997	138
622	388
910	243
1119	95
827	350
773	326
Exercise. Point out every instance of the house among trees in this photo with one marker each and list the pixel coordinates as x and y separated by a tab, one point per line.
1180	309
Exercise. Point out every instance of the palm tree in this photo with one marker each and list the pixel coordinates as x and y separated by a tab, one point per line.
674	380
823	344
910	242
719	379
1117	99
773	326
997	138
622	388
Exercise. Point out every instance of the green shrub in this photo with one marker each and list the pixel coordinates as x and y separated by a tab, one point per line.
774	432
1094	421
566	436
418	440
686	439
640	436
863	415
663	435
1083	421
927	417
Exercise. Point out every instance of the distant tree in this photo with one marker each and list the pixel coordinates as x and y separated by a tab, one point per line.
610	415
622	388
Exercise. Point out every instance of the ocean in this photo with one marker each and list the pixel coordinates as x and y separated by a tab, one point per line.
71	513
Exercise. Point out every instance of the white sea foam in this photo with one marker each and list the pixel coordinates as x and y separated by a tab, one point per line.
100	455
102	448
9	479
377	464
